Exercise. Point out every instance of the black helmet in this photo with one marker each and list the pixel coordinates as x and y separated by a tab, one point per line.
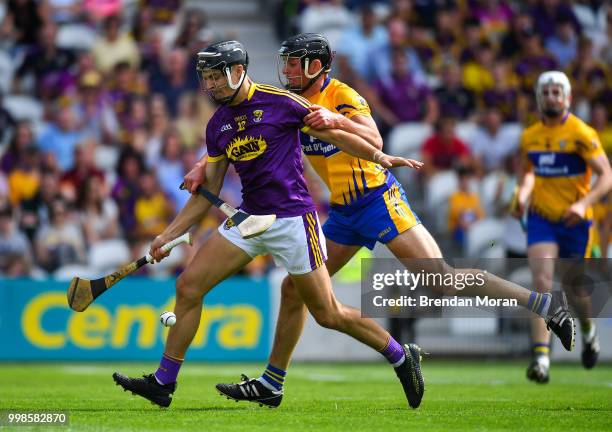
307	47
222	56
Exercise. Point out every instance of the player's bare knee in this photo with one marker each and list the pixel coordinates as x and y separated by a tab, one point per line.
543	282
328	318
187	290
290	297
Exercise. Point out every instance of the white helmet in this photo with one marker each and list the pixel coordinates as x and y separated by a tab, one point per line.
553	77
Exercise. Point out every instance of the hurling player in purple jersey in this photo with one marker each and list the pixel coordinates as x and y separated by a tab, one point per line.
257	130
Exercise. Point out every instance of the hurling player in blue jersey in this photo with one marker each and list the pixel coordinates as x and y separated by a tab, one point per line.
257	130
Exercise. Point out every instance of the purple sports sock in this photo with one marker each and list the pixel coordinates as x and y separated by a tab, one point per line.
394	352
168	369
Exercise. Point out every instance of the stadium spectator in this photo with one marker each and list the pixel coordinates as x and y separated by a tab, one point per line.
27	20
97	11
163	11
175	80
477	76
381	67
124	88
193	22
357	41
15	252
533	61
546	13
504	93
35	211
25	177
152	210
602	123
95	115
114	47
21	142
493	142
158	125
426	48
472	38
188	122
511	43
564	43
97	212
447	31
401	97
61	136
126	190
453	98
464	206
84	167
49	65
589	75
61	242
444	149
169	168
494	17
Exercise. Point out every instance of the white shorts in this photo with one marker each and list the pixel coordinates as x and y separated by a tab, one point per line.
295	243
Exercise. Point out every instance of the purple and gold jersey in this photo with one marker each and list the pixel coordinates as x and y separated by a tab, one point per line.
559	158
260	136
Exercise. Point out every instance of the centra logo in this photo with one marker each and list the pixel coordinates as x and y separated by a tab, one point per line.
247	148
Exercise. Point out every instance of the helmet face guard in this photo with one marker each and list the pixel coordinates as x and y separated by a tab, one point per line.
305	48
559	86
221	57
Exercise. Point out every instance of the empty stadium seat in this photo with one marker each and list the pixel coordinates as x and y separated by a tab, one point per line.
7	67
481	235
107	255
67	272
487	190
76	37
437	191
24	107
407	138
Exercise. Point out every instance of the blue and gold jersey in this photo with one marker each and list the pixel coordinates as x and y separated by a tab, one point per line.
347	177
559	158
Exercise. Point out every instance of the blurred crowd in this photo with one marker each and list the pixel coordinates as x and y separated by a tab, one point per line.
102	115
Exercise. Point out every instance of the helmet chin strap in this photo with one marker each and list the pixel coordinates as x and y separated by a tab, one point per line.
235	87
313	77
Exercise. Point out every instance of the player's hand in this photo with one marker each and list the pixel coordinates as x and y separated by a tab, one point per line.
155	249
322	118
518	204
389	161
195	177
575	214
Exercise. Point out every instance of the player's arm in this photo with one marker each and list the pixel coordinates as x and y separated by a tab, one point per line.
358	147
601	166
196	176
364	126
195	209
526	181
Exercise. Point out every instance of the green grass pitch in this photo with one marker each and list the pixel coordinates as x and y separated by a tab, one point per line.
460	395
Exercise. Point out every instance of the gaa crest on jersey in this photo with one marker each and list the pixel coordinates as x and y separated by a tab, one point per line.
228	225
245	148
257	115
